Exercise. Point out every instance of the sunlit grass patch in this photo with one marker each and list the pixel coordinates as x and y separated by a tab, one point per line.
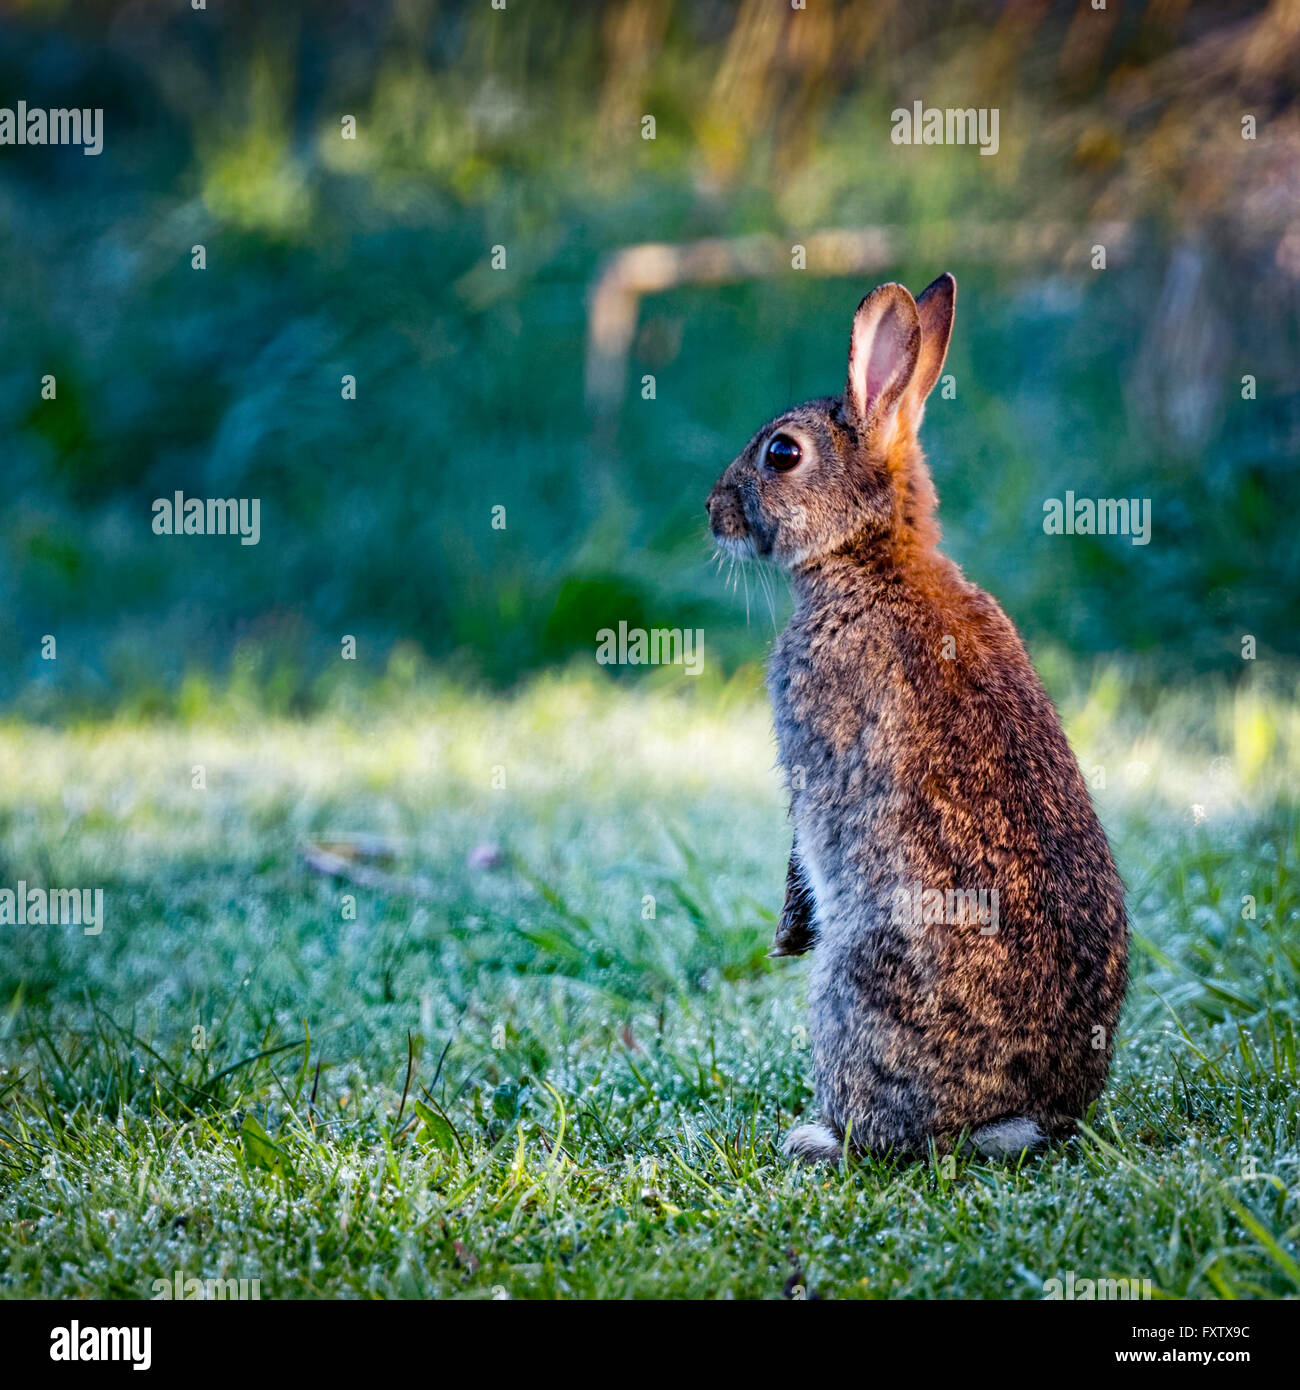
549	1056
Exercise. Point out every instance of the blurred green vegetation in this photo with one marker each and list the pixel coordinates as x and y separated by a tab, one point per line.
521	128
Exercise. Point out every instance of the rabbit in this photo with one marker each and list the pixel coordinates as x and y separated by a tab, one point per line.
948	871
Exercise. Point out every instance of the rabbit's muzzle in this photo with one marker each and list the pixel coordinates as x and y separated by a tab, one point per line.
727	520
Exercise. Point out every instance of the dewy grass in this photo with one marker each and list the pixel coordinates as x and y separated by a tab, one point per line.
560	1066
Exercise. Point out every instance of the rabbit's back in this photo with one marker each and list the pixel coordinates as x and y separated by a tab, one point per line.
971	940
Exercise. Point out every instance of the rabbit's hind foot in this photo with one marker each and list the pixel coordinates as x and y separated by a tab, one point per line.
1009	1138
814	1144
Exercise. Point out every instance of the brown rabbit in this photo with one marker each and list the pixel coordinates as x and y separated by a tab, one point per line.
971	941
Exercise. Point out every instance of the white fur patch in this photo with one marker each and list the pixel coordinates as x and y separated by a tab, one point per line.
738	547
815	881
1008	1138
816	1143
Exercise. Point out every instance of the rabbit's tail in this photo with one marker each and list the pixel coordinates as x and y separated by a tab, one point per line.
1008	1138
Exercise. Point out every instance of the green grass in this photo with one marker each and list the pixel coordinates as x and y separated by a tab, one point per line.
595	1097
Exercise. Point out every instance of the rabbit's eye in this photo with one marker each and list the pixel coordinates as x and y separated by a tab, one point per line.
783	453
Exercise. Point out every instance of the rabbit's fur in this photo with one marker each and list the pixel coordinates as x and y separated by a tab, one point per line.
921	753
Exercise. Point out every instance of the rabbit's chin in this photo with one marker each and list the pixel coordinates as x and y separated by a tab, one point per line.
738	547
782	556
746	548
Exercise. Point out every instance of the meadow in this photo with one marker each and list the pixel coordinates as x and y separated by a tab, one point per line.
542	1053
443	971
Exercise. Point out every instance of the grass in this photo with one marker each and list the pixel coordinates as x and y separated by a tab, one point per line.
515	1080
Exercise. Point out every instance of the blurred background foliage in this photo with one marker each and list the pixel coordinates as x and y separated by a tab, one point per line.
522	128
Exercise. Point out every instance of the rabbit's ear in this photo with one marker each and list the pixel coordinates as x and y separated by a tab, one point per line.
935	305
883	353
